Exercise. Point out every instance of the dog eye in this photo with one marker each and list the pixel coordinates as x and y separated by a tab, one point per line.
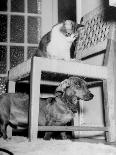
78	85
74	100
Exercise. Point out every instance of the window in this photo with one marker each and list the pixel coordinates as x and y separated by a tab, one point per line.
20	31
66	10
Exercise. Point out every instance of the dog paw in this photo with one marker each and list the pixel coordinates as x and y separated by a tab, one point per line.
63	135
47	136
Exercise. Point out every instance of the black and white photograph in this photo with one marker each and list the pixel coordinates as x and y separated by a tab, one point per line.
58	77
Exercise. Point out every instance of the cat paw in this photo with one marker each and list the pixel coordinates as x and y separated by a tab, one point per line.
75	60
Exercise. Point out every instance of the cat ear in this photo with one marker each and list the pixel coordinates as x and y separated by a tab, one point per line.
80	25
63	22
80	28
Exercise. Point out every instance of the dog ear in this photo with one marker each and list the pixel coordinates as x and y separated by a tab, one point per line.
50	100
75	77
59	94
62	87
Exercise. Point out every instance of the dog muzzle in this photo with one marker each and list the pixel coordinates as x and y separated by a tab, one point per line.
73	104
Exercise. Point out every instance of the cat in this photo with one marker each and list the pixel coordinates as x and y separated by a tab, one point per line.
58	42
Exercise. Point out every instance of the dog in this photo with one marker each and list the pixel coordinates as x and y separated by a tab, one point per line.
54	111
57	43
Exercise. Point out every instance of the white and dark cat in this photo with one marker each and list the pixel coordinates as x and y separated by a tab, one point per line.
57	43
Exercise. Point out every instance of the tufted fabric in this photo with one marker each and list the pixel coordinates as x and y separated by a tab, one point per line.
2	85
94	38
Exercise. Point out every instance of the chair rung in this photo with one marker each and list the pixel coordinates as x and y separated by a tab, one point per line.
94	82
71	128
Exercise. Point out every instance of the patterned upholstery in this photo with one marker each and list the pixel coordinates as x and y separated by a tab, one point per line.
94	38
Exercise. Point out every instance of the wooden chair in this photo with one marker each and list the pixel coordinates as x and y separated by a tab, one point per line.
106	73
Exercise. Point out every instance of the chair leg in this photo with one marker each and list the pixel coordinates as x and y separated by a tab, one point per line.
11	86
109	103
9	132
11	89
111	85
34	100
105	102
76	122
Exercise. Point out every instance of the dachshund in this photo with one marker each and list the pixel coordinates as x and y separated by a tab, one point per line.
53	111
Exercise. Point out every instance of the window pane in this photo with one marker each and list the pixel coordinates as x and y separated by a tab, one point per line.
33	30
16	55
3	5
66	10
31	51
17	5
3	59
17	29
3	28
34	6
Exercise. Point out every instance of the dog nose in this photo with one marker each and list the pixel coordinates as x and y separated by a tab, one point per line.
88	96
91	95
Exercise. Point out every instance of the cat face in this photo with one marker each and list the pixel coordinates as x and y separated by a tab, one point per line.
71	30
57	43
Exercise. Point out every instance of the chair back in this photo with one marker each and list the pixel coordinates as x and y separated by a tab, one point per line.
93	40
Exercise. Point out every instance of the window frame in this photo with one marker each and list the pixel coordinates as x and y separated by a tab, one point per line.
78	11
25	44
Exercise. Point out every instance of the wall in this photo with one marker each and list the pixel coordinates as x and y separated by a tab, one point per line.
93	115
88	5
47	15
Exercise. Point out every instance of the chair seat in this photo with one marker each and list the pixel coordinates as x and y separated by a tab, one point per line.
58	66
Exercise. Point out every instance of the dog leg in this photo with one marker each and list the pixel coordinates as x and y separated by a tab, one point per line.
48	135
3	130
63	135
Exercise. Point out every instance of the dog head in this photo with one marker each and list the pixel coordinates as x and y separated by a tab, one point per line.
74	89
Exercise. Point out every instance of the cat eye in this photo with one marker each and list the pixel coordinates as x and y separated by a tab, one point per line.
68	34
78	86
